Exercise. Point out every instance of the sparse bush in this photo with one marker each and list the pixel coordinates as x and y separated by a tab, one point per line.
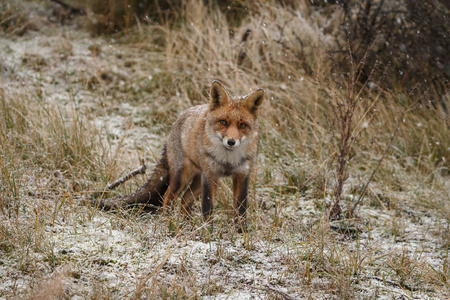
407	39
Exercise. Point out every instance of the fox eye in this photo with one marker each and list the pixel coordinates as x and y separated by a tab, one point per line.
223	122
242	126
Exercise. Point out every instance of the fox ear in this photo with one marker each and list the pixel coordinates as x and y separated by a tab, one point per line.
218	95
253	101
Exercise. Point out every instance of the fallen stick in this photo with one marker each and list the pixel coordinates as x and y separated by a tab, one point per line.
140	170
150	193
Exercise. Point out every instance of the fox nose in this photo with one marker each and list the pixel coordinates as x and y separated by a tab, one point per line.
231	142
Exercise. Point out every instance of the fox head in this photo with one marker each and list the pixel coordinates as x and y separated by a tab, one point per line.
234	119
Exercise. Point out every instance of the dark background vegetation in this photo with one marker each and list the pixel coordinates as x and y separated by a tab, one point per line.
406	41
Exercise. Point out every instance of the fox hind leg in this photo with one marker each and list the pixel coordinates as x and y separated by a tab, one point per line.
192	193
176	184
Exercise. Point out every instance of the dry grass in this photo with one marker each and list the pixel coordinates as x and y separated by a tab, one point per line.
77	112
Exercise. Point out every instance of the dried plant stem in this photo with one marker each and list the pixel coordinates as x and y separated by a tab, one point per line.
361	196
386	150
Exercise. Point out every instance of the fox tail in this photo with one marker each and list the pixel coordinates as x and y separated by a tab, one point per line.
151	193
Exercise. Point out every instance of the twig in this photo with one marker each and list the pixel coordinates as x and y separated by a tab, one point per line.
140	170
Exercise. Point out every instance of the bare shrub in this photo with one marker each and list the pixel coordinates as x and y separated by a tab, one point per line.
408	38
350	110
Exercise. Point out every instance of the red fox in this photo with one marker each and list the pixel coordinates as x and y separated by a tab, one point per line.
207	142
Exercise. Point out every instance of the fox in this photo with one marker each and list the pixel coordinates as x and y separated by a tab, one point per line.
206	142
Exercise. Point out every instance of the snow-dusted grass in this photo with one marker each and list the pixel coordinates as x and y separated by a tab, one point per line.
77	112
136	255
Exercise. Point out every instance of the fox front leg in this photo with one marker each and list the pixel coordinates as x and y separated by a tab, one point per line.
208	195
240	189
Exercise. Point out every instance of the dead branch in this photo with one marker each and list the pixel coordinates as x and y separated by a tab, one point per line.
140	170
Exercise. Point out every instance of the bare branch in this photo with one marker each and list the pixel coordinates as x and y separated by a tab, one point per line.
140	170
